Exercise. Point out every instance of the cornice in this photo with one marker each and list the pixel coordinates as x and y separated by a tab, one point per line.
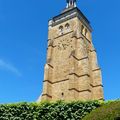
69	14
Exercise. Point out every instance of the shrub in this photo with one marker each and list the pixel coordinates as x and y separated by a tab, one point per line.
108	111
47	110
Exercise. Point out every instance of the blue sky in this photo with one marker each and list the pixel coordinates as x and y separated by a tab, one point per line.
23	42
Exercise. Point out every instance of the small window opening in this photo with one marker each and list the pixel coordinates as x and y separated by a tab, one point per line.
67	26
61	29
86	32
62	96
82	29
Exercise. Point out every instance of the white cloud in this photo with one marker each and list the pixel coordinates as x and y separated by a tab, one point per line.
9	67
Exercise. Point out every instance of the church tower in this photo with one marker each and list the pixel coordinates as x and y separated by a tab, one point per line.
71	71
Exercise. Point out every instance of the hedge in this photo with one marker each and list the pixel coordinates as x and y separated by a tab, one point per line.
47	110
108	111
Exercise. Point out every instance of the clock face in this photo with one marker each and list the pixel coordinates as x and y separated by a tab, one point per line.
64	44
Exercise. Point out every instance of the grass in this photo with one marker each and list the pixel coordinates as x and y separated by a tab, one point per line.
108	111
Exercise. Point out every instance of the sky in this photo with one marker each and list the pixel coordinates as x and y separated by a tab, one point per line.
23	43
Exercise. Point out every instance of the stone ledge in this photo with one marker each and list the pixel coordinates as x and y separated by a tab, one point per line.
60	81
79	90
96	85
56	81
51	46
96	69
63	34
50	65
48	81
84	38
80	75
47	95
66	79
93	50
80	58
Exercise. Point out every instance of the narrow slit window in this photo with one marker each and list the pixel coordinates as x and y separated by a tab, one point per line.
82	29
62	96
86	32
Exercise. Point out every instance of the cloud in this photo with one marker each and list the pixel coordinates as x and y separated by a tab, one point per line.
9	67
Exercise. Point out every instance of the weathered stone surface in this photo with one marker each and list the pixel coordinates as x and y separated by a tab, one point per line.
71	71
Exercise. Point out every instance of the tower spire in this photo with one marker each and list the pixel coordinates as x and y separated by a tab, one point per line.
71	3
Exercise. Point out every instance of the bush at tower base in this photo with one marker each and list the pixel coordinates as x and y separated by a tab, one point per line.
59	110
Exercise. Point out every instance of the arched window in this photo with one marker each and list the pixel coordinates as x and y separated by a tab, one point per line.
86	32
61	29
82	29
71	2
67	27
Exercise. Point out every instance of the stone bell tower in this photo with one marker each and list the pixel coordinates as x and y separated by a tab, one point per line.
71	71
